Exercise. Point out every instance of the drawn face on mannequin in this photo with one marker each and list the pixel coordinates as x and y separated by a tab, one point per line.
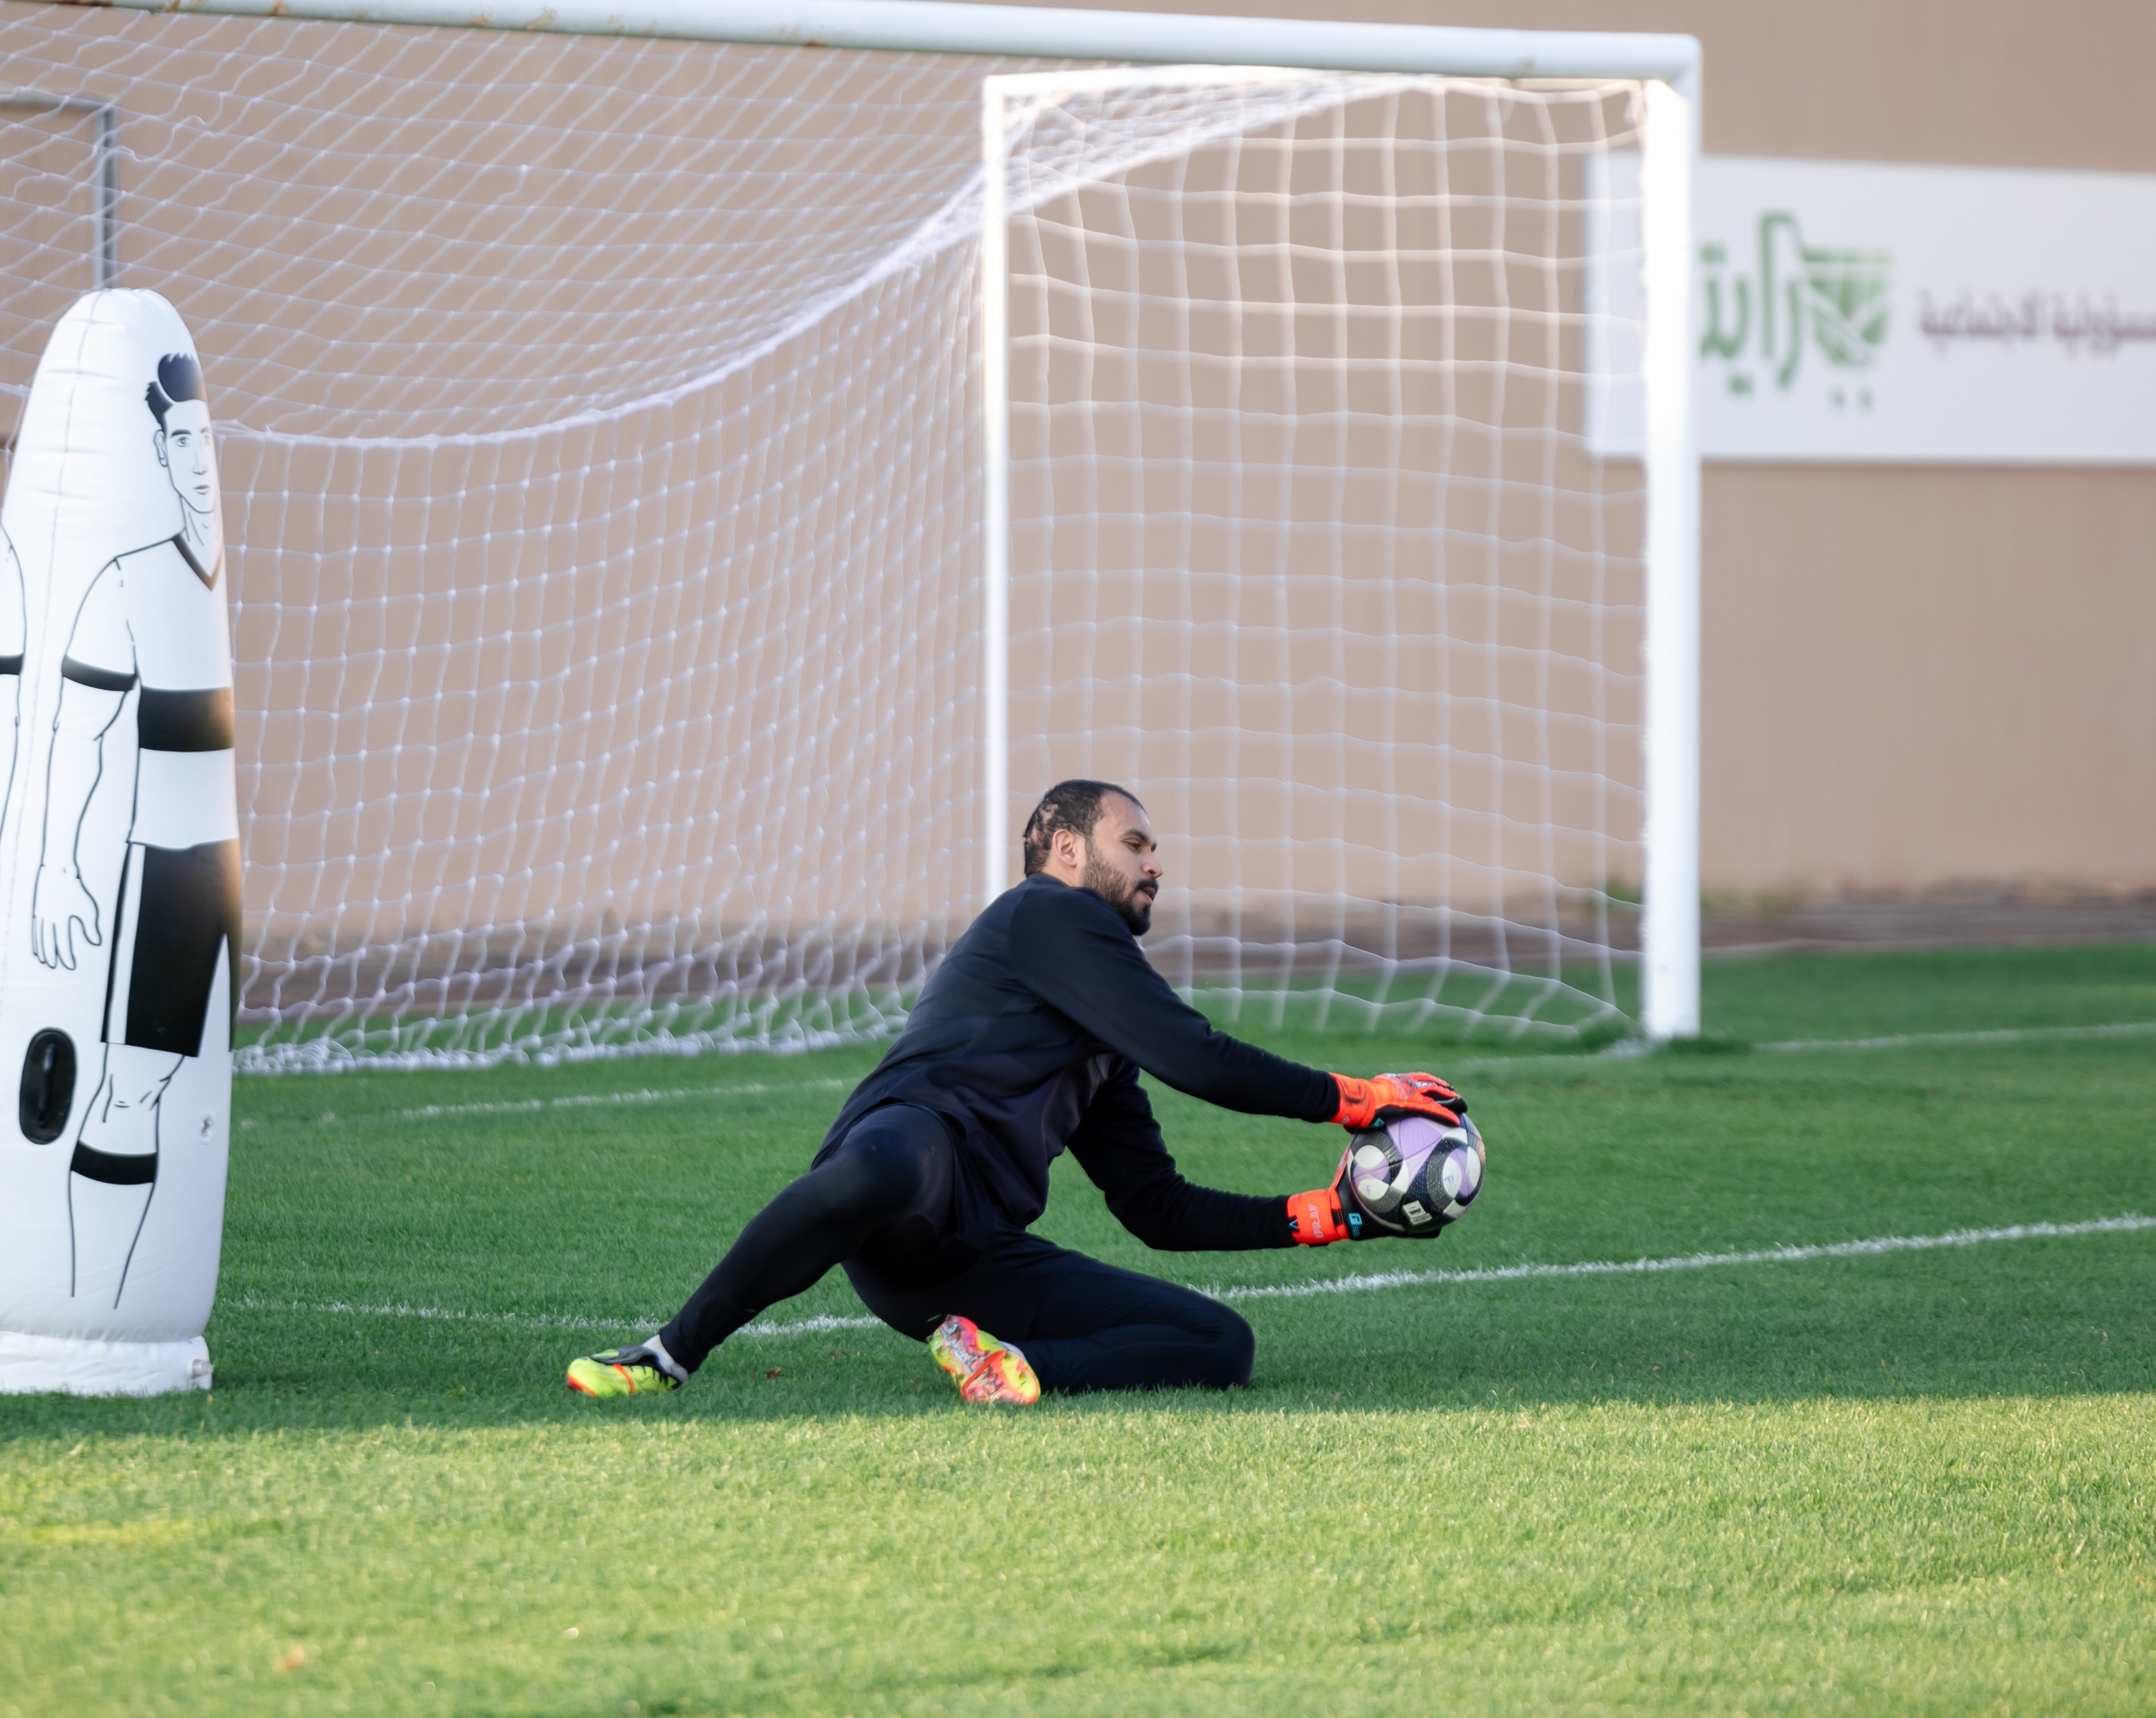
187	451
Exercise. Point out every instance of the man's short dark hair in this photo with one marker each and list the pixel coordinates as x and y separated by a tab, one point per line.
1075	805
179	378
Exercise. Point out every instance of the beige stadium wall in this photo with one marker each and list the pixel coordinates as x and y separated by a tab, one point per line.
1926	679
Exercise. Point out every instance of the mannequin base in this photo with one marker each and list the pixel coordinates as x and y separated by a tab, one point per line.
81	1365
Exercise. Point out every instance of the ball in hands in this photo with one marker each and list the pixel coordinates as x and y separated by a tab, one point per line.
1415	1176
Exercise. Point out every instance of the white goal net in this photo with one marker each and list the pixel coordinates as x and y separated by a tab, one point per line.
603	450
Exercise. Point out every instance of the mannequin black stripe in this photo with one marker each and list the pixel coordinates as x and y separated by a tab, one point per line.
103	679
185	720
134	1170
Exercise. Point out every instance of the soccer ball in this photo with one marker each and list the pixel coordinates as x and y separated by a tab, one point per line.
1414	1175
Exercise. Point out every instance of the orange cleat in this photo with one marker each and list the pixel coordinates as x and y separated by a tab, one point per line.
986	1369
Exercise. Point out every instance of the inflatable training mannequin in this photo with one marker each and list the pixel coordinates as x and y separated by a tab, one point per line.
119	864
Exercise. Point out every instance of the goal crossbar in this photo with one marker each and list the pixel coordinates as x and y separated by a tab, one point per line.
1044	33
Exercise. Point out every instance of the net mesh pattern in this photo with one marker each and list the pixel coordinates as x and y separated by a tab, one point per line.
1306	539
601	443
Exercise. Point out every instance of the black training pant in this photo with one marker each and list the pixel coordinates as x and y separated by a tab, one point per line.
879	1205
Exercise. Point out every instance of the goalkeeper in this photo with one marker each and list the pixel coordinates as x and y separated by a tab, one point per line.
1029	1038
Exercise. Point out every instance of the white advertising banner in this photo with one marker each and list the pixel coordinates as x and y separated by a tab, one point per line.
1859	311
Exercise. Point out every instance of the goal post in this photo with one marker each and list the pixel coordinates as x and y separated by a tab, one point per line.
693	470
1669	932
1668	929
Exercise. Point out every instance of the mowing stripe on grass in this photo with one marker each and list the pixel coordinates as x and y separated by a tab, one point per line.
1629	1050
1877	1246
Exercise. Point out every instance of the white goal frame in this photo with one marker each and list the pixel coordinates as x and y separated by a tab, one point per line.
1668	65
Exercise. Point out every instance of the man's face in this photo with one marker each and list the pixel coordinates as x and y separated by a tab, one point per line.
1123	862
188	456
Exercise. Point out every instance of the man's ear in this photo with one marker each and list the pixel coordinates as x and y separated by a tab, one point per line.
1069	855
158	440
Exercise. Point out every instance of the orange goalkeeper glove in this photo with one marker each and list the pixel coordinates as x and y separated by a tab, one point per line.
1325	1215
1365	1104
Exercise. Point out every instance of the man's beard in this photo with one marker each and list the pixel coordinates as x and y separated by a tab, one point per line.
1133	902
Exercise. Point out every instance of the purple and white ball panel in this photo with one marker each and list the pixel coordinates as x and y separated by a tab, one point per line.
1414	1175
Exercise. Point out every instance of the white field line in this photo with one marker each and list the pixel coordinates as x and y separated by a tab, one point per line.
1874	1247
589	1100
2131	1222
1927	1040
547	1321
1631	1049
582	1100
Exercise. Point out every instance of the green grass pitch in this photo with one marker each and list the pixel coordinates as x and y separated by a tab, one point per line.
1923	1480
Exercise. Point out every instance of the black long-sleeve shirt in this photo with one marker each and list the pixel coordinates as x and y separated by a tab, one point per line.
1029	1038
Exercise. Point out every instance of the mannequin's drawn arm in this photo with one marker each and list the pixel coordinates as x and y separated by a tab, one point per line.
59	903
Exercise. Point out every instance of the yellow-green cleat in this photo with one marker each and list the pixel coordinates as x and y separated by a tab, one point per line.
622	1371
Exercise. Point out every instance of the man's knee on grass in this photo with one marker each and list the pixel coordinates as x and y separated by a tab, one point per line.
1235	1351
1219	1355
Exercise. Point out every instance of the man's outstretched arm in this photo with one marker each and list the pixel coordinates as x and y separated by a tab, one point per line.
1118	1144
1075	953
